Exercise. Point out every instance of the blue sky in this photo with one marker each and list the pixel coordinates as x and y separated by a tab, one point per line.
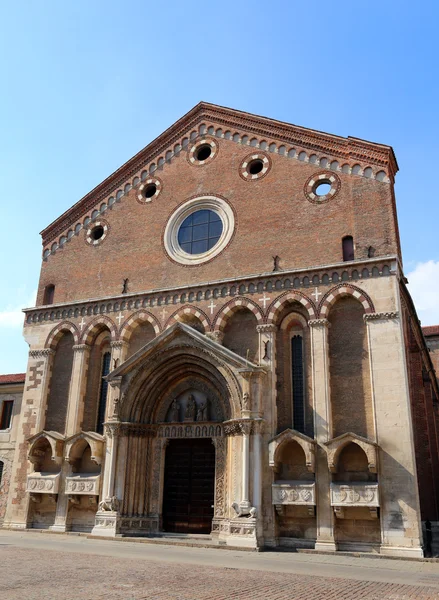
85	85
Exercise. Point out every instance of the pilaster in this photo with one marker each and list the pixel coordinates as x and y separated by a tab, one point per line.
322	428
75	410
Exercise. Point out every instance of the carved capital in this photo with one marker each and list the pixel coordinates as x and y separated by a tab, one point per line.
116	382
243	427
118	344
43	353
81	348
383	316
266	328
319	323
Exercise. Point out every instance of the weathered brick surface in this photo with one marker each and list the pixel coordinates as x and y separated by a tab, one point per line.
60	384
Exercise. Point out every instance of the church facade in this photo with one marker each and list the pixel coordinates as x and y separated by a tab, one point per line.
223	344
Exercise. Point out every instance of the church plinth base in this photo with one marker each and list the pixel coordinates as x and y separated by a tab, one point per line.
240	532
329	546
402	552
106	524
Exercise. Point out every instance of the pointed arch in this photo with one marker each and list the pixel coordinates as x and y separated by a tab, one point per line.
232	306
57	332
95	326
189	310
345	289
281	301
141	316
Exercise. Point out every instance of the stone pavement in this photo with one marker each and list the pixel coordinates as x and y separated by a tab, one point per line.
67	567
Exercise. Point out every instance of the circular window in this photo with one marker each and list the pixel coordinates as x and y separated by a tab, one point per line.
149	190
322	187
199	230
203	151
255	166
97	232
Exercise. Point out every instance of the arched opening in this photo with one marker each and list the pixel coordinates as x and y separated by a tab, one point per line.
240	334
142	334
348	248
351	398
97	387
57	403
175	475
352	465
294	405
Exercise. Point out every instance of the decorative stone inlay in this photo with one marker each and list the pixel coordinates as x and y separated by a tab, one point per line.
244	170
83	484
43	483
294	492
88	234
203	141
152	183
381	316
355	494
317	179
190	431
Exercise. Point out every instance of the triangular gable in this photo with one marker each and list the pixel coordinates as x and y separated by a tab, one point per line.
182	330
162	149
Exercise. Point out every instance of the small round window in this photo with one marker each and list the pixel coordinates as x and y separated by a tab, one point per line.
200	231
96	232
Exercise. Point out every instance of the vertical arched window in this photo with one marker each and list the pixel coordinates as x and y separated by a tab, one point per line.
348	248
2	464
103	388
49	294
298	384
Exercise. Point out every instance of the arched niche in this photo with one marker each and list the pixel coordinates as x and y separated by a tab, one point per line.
84	451
335	447
278	449
240	333
46	451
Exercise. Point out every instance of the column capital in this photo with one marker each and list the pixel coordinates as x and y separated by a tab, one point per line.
80	348
118	344
266	328
382	316
43	353
319	323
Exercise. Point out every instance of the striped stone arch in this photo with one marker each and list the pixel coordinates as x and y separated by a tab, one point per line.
92	329
141	316
56	333
232	306
281	301
345	289
189	310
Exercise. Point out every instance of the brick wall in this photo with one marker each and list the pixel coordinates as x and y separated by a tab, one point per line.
142	334
273	216
351	398
59	384
240	334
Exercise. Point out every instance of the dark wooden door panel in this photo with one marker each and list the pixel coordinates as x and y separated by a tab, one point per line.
189	486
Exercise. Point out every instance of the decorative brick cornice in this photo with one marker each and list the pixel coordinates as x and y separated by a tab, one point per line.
44	353
381	316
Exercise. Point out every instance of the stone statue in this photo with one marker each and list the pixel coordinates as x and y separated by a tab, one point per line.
246	401
276	260
191	407
125	286
175	411
202	412
109	504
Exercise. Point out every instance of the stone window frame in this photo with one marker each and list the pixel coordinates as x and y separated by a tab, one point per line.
244	174
205	202
204	141
98	223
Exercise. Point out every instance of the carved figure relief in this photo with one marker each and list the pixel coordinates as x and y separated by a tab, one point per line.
191	407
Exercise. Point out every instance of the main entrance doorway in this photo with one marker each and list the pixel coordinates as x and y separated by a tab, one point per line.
189	486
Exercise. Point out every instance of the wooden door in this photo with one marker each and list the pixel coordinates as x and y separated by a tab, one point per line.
189	482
